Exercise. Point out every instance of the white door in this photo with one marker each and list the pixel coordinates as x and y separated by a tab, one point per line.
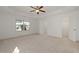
65	28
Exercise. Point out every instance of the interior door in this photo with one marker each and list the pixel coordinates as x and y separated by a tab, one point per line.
65	28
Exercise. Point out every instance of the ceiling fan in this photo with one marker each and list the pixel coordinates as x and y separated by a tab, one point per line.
37	9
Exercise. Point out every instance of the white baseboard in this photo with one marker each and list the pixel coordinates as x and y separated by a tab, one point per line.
19	36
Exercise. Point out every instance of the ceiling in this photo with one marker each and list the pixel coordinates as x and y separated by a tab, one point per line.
24	10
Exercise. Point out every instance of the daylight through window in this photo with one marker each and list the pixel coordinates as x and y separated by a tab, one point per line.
21	25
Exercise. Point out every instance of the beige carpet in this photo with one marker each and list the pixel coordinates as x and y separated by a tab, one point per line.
38	44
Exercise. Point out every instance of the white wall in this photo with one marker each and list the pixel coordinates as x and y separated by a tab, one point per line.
74	26
76	29
51	24
8	25
54	24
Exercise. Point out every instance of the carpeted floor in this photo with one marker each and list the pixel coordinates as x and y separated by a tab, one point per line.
38	44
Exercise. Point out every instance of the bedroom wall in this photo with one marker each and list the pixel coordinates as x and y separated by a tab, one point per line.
76	29
53	24
8	25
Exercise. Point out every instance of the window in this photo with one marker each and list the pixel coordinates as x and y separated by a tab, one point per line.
21	25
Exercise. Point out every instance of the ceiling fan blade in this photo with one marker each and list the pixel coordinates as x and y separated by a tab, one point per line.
33	7
40	7
42	11
32	11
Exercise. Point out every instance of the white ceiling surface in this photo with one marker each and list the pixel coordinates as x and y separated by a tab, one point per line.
25	10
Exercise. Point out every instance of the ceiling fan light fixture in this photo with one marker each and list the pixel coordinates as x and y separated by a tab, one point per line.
37	9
